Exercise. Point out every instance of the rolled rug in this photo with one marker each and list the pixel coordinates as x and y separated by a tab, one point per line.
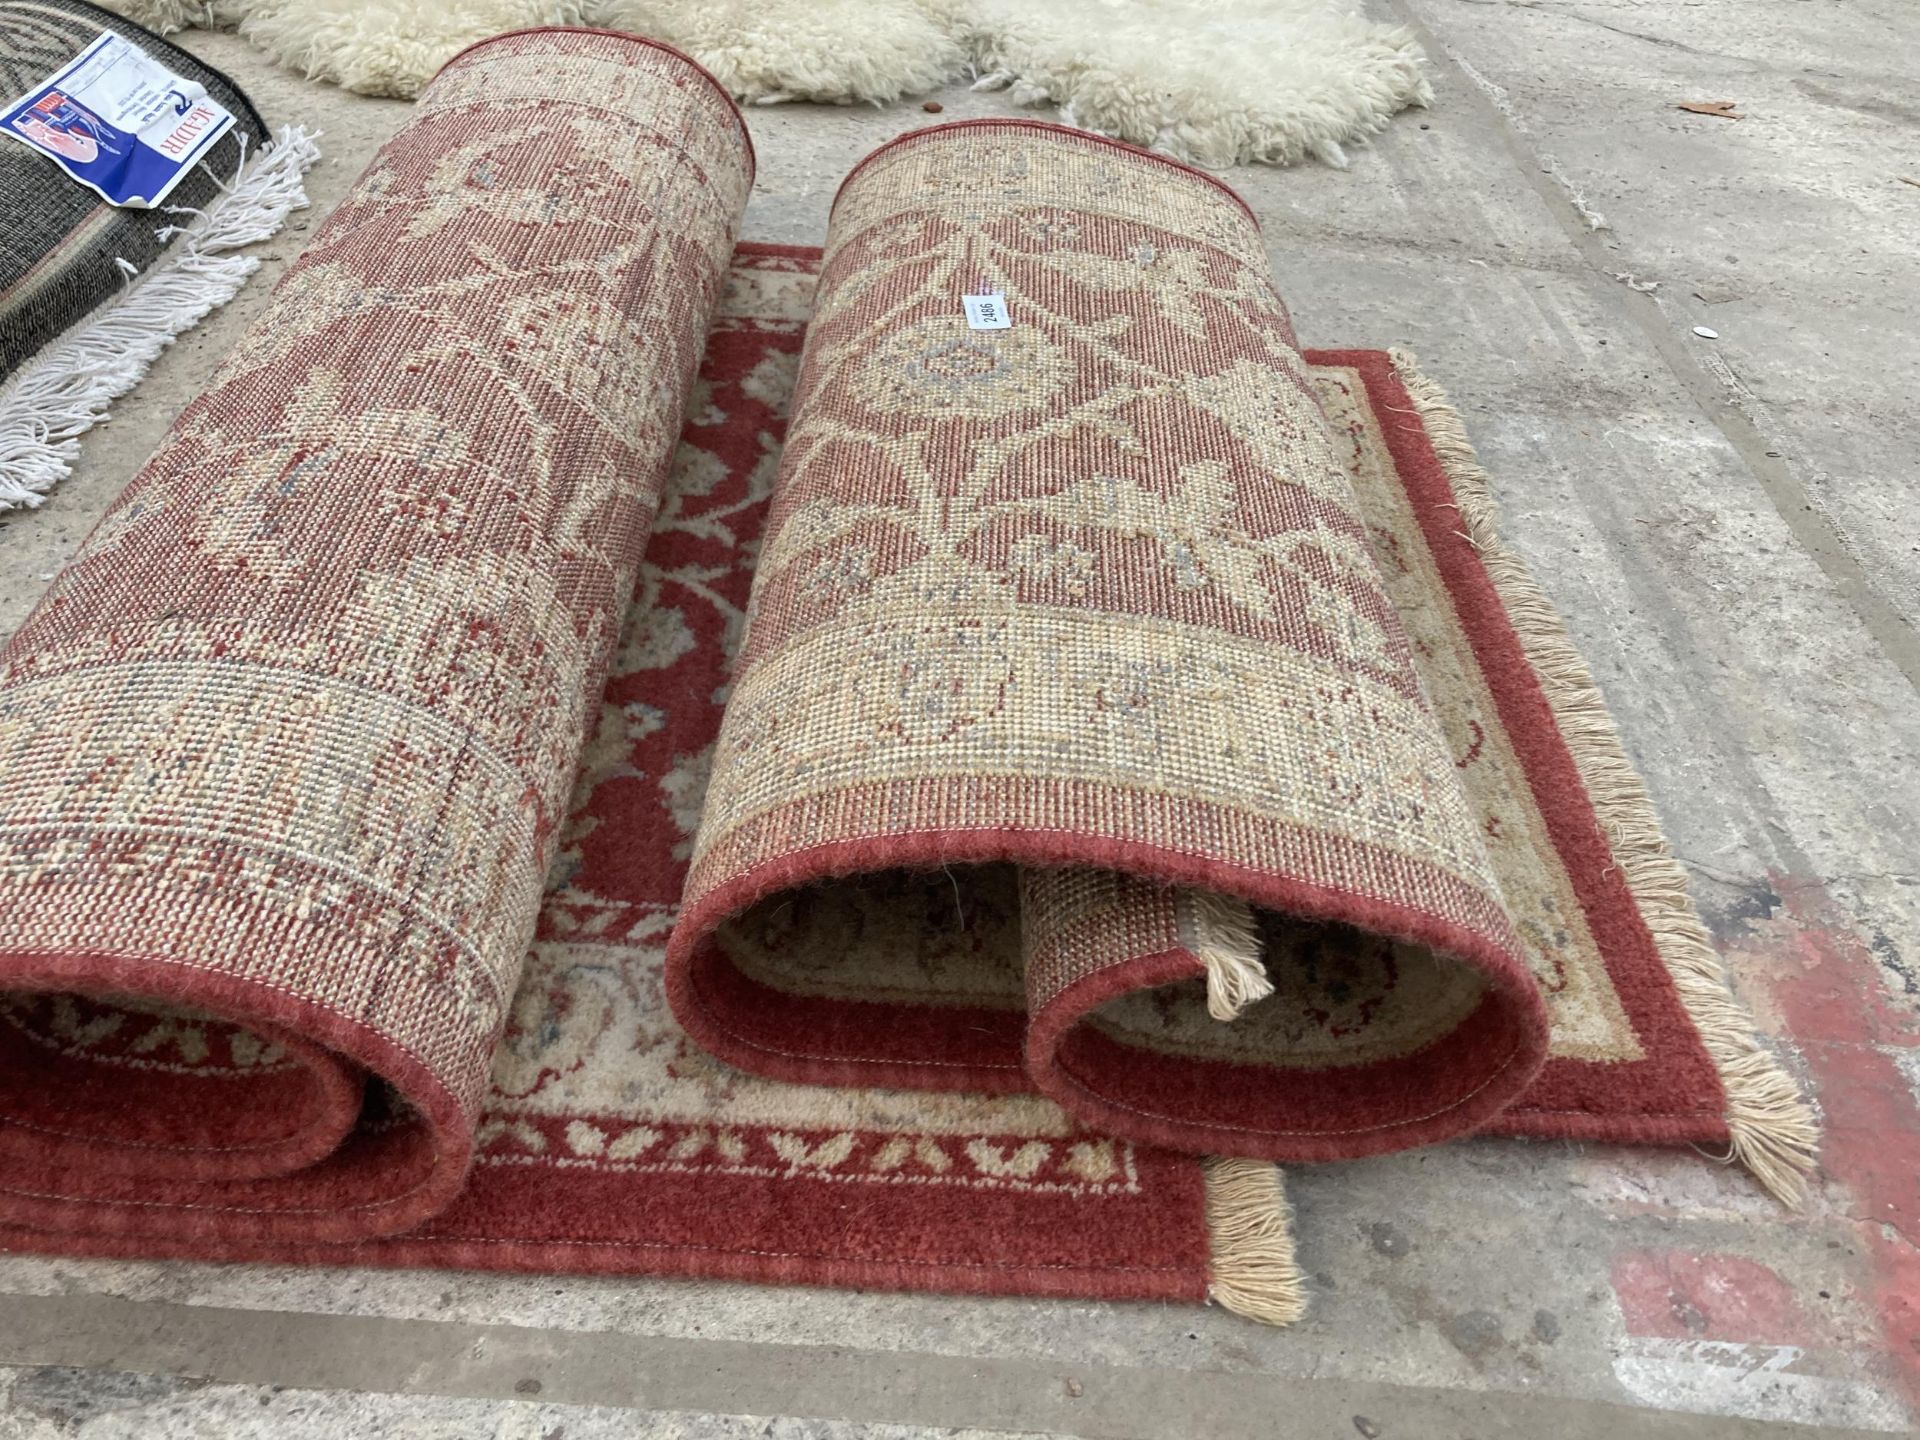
1069	608
1091	594
91	293
284	751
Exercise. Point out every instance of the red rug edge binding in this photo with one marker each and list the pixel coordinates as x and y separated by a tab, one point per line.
684	1261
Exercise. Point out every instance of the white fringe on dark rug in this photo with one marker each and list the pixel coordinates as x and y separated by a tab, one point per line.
62	392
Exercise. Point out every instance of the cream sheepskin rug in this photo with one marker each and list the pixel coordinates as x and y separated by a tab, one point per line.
1214	82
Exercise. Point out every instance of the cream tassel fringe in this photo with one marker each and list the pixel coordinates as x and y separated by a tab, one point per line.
60	393
1773	1129
1251	1228
1222	933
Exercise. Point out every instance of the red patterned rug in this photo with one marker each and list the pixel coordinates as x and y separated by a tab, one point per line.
610	1143
1137	711
347	1116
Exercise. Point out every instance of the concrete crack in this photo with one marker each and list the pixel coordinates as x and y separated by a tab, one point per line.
1813	530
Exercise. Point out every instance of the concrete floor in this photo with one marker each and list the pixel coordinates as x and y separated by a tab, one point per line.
1730	527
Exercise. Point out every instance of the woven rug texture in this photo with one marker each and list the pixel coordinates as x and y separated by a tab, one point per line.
608	1142
291	739
1081	751
1311	856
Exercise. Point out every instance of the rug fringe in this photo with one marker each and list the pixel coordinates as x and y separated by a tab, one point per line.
1250	1226
1221	932
60	393
1772	1128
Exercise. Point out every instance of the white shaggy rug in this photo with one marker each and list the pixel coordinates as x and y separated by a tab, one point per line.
1214	82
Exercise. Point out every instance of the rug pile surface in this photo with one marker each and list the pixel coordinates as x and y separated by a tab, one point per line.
290	741
1035	762
1295	852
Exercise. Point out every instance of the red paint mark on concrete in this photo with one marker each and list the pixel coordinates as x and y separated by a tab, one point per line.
1829	996
1674	1295
1831	979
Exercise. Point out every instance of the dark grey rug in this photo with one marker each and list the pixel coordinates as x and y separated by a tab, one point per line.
63	241
89	293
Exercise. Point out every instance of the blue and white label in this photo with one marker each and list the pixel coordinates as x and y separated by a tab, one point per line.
119	123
